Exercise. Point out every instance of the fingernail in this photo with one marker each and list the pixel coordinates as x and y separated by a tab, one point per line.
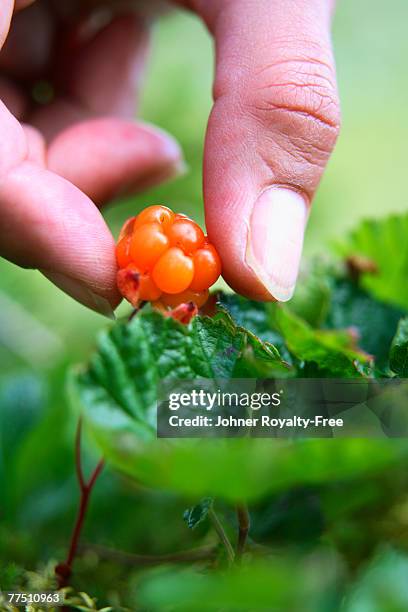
275	240
181	167
80	292
169	146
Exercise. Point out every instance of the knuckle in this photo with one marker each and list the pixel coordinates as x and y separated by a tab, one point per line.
298	98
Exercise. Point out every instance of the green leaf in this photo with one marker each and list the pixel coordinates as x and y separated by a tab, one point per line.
253	316
198	513
312	299
382	586
353	307
327	302
253	357
117	395
236	469
333	352
273	584
120	384
399	350
384	242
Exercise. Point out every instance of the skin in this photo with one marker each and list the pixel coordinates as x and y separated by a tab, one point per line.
275	121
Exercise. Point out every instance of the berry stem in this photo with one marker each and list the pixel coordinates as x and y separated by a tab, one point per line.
64	570
136	310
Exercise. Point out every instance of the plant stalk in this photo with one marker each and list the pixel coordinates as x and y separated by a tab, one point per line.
184	556
64	570
221	534
244	523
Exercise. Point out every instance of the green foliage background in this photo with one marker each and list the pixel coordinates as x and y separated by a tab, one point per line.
345	533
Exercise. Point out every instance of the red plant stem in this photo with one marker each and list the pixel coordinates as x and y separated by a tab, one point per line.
64	570
78	462
83	506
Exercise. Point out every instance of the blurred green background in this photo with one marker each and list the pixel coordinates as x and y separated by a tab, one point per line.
42	331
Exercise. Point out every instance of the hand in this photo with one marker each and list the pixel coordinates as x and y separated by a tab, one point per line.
273	126
82	148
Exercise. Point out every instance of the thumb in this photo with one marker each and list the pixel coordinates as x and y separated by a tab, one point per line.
272	128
